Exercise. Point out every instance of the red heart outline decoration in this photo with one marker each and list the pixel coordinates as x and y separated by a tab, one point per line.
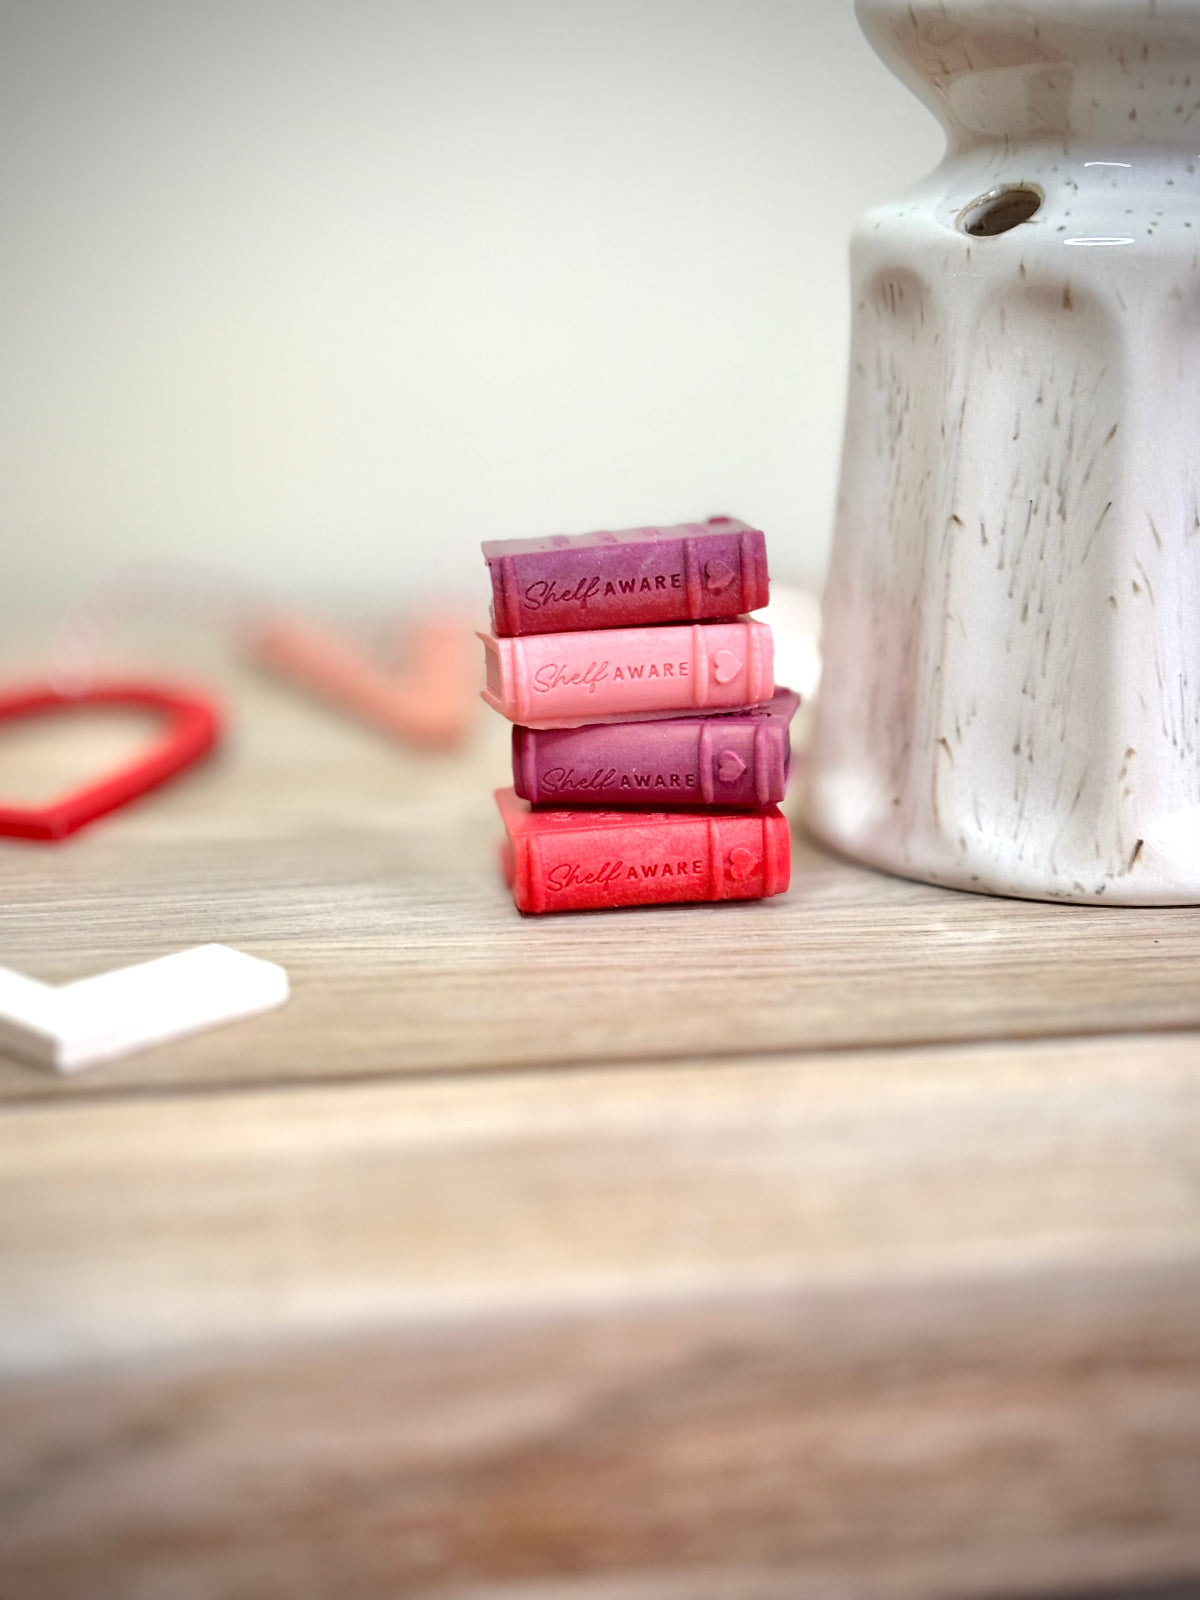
191	728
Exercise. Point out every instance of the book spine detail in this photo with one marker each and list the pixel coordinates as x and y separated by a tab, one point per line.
763	751
535	859
506	593
751	579
529	765
700	666
760	660
704	763
692	578
522	709
777	854
716	861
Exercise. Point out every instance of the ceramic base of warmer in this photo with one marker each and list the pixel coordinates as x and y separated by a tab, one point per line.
1163	868
1010	701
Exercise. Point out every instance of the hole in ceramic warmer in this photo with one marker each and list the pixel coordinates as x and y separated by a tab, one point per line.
999	210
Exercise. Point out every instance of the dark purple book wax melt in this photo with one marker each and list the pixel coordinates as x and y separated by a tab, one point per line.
698	571
730	758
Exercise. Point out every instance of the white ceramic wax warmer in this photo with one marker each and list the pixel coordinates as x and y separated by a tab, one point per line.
1011	695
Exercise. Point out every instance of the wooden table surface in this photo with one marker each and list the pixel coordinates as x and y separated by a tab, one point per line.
845	1244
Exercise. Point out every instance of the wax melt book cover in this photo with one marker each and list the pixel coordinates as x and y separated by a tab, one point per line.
696	571
565	679
591	860
730	759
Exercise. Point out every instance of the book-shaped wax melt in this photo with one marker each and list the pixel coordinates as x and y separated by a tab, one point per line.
563	679
590	860
689	573
729	758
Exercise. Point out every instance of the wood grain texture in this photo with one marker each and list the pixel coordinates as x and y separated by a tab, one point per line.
366	1299
371	876
127	1227
1013	1434
898	1323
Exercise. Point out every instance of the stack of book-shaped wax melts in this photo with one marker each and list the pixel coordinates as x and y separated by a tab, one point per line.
651	745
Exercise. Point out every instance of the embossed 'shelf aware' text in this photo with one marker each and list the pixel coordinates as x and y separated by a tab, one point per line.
556	780
545	592
557	675
570	875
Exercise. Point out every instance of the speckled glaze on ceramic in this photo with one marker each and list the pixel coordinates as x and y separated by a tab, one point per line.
1011	690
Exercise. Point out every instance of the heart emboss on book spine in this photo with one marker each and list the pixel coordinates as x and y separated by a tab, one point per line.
742	863
725	666
718	575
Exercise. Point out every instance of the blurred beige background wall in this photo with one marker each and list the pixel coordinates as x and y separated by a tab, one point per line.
326	291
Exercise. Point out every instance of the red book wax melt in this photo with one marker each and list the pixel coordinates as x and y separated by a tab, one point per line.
592	860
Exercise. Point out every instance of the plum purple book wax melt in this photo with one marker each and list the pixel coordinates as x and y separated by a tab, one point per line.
694	572
729	758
